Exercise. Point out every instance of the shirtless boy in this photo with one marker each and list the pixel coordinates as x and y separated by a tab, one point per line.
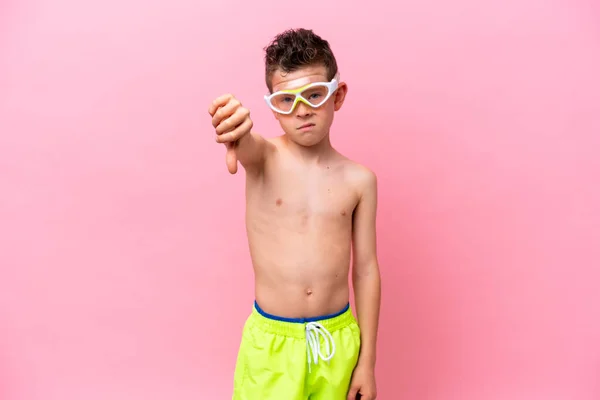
308	208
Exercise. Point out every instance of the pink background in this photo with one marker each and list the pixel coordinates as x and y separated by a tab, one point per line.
124	268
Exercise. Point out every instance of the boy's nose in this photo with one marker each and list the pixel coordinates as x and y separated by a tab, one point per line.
302	109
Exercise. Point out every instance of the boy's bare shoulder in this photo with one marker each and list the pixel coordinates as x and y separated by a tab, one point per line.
275	144
360	176
276	141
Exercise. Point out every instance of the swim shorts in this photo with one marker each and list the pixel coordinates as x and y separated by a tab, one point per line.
296	359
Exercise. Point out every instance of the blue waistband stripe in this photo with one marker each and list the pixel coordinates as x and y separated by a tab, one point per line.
300	320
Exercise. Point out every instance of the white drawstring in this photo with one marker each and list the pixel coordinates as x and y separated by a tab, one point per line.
313	344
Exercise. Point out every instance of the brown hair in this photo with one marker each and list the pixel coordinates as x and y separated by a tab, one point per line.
297	48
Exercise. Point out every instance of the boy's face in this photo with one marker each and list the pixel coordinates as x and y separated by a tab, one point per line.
305	125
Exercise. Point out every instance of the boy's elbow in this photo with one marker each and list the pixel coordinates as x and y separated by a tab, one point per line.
366	269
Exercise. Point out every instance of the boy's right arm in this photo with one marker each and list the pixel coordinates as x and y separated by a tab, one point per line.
233	127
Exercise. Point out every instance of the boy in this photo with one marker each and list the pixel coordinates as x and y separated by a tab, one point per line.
307	208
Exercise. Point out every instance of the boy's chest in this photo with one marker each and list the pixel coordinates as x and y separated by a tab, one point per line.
310	195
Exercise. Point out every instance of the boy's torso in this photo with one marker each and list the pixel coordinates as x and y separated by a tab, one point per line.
299	225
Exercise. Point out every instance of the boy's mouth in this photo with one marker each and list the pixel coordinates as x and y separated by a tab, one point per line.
307	125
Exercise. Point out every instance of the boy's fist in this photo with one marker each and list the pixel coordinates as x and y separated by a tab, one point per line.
232	122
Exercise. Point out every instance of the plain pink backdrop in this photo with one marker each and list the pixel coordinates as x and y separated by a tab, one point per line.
124	269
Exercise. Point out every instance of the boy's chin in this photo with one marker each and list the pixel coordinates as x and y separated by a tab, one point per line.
307	139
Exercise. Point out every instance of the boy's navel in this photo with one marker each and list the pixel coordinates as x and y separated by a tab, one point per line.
278	202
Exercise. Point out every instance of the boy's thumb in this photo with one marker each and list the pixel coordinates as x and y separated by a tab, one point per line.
231	158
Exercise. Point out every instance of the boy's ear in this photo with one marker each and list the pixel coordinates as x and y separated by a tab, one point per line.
340	95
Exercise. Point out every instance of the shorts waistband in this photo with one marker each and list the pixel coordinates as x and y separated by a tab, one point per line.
296	327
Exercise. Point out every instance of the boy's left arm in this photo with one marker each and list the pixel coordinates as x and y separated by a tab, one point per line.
367	287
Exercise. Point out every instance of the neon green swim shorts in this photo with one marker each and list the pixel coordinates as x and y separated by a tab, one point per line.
296	359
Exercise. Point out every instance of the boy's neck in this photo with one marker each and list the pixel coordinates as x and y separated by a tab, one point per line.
316	154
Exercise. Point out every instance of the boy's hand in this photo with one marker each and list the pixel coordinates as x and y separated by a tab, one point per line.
232	122
362	385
